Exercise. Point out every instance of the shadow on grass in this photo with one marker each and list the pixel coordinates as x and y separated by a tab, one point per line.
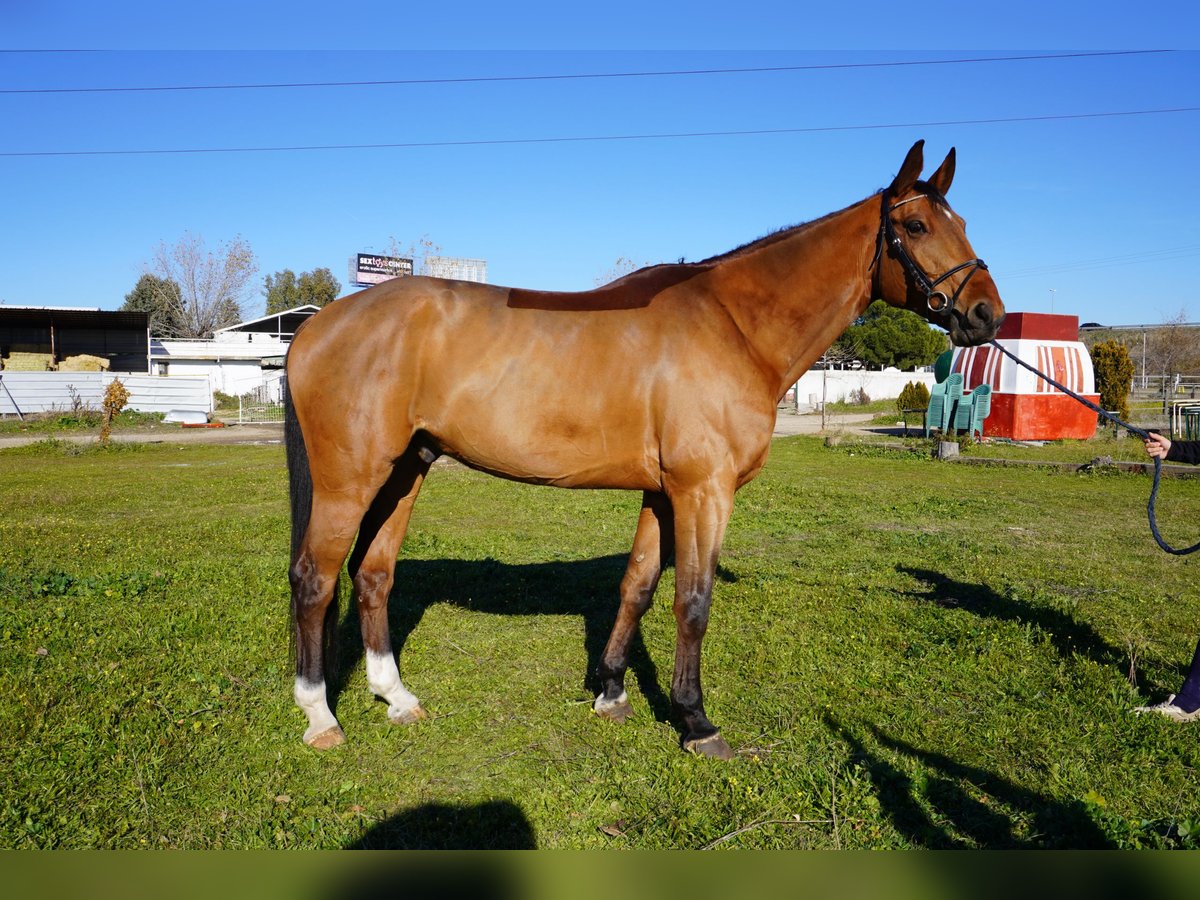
494	825
1068	635
586	588
956	806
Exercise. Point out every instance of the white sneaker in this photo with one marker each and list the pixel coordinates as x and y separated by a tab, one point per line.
1170	710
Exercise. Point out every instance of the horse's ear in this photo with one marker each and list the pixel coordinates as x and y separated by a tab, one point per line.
940	180
909	172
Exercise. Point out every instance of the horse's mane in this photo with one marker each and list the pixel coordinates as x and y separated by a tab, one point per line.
655	272
780	234
776	236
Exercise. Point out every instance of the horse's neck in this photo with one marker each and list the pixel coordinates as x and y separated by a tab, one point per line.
792	297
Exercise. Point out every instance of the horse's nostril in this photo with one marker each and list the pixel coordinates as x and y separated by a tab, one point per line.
983	313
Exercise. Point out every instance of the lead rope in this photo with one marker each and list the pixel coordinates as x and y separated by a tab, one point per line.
1116	421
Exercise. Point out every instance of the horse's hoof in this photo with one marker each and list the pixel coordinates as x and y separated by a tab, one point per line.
614	710
714	745
327	739
408	716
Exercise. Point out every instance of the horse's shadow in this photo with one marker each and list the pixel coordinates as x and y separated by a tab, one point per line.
959	806
1068	635
586	588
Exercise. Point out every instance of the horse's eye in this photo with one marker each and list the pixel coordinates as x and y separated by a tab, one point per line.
914	226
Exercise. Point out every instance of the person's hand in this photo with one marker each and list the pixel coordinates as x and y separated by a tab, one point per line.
1157	445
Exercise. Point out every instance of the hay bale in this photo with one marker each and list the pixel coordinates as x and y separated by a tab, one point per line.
83	362
28	362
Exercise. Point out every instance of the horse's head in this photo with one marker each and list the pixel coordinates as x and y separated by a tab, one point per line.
925	262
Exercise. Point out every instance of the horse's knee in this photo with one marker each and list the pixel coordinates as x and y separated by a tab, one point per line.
691	614
637	596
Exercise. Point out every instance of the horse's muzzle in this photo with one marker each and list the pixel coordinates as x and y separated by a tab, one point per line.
978	325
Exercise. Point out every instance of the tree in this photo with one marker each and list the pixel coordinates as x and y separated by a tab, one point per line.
318	287
211	282
886	336
1172	349
284	290
280	291
619	269
161	298
419	252
1114	376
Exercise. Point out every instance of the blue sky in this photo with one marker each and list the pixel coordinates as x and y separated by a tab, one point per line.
1094	216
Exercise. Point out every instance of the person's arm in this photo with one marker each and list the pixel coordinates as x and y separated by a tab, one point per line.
1184	452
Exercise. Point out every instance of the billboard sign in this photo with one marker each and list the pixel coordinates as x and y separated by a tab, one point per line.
372	269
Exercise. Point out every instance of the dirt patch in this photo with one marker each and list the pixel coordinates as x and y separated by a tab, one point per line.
160	434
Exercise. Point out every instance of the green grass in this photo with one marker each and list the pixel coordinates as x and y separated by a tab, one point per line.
887	406
905	653
74	422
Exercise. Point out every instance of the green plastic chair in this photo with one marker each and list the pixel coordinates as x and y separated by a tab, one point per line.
942	399
972	409
1191	422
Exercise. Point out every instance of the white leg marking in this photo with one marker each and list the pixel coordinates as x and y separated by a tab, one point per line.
310	697
601	704
384	680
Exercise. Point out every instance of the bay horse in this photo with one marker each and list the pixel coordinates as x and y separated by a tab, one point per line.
665	381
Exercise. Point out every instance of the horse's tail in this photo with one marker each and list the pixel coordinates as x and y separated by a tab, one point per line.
300	491
300	484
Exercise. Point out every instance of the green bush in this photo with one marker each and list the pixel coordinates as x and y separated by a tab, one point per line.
914	396
1114	376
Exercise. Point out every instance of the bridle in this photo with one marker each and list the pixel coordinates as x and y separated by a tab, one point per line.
936	300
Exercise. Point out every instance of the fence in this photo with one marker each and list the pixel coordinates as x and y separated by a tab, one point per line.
23	393
264	403
1158	399
839	385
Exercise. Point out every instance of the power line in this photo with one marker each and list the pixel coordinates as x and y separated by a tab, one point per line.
485	79
497	142
1164	254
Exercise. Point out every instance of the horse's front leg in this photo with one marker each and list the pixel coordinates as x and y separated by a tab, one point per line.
701	516
651	547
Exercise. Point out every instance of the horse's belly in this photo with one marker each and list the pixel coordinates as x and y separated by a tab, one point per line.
540	447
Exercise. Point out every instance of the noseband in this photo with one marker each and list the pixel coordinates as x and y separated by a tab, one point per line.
936	300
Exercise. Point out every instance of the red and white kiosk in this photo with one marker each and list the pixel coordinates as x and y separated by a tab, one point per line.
1024	407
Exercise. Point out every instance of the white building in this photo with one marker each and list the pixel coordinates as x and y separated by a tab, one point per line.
237	360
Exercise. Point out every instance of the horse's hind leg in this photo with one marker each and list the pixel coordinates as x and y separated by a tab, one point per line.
373	569
332	524
651	548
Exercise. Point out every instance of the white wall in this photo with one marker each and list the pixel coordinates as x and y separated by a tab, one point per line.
232	363
37	392
839	384
233	376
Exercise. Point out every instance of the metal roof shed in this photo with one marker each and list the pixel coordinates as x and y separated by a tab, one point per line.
280	326
123	338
